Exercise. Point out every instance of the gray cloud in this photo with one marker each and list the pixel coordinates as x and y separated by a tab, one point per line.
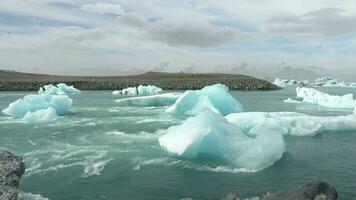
325	22
193	33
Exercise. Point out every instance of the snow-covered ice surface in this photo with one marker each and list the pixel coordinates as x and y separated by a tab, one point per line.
142	90
58	89
165	99
32	103
313	96
215	98
210	133
291	123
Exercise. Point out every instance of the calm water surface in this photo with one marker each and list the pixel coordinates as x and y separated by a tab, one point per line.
102	151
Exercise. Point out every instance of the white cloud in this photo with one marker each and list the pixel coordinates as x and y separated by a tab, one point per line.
104	8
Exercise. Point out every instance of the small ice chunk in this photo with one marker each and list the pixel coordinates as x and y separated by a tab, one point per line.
210	133
166	99
32	103
140	90
58	89
215	98
313	96
290	123
43	115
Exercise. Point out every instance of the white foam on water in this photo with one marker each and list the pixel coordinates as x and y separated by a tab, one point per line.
30	196
95	169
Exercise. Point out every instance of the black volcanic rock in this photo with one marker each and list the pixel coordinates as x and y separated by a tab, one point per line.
11	170
310	191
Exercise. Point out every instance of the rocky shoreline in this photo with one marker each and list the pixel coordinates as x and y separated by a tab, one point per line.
166	81
252	84
11	169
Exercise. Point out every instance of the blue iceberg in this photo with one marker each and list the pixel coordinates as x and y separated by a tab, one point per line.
215	98
58	89
32	103
43	115
210	133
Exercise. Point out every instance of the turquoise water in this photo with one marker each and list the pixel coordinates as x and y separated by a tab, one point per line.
102	151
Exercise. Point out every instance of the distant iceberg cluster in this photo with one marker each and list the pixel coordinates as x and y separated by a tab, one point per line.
320	82
46	106
58	89
140	90
313	96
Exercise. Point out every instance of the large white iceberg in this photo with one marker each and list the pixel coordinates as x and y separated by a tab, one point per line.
60	88
166	99
33	103
313	96
140	90
215	98
291	123
210	133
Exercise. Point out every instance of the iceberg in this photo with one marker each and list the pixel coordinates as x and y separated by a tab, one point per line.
58	89
211	134
284	82
166	99
140	90
43	115
313	96
32	103
291	123
215	98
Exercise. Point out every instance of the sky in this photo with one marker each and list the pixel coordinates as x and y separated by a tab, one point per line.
109	37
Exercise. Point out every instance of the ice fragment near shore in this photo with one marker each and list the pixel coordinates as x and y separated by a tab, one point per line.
33	103
60	88
215	98
210	133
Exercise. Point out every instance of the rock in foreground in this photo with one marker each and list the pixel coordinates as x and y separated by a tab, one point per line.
309	191
11	170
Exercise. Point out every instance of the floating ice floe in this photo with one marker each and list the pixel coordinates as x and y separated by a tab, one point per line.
42	115
60	88
320	82
166	99
215	98
313	96
211	134
140	90
290	123
35	105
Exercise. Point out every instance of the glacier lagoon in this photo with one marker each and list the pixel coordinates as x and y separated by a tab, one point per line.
106	151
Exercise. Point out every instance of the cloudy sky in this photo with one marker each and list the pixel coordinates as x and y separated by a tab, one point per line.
90	36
